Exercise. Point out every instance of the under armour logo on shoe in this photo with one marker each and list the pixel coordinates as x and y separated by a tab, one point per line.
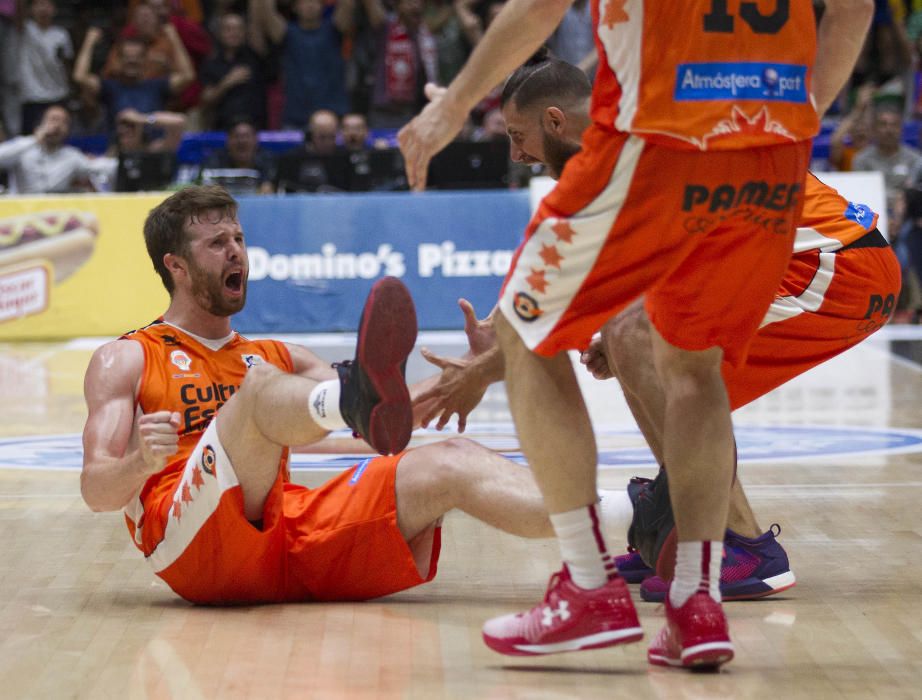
562	612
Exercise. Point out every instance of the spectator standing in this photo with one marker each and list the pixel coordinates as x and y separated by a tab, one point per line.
130	89
159	53
456	28
313	68
406	59
233	78
44	63
194	38
42	163
191	32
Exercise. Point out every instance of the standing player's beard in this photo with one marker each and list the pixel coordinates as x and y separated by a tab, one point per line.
208	291
557	152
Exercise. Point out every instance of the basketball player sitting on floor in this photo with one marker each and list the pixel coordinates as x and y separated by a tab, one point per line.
189	424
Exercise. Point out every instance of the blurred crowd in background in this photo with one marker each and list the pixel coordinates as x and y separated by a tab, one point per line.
269	96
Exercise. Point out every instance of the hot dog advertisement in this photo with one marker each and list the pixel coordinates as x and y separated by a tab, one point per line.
75	266
65	239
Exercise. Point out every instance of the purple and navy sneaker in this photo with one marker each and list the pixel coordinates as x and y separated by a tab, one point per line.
751	568
632	568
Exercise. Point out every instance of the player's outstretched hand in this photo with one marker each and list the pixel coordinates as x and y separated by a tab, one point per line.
159	436
463	380
481	336
428	133
595	360
460	388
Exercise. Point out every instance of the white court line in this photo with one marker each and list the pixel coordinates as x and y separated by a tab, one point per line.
317	340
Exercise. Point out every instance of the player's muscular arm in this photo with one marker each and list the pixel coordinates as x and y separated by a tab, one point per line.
116	461
461	384
516	33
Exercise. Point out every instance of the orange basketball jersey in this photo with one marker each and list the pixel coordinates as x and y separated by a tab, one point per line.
181	375
829	221
706	74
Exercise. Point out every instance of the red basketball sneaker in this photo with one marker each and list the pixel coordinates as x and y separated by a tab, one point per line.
570	619
695	636
374	400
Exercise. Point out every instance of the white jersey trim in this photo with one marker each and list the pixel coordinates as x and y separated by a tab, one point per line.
623	45
590	228
808	301
214	476
808	239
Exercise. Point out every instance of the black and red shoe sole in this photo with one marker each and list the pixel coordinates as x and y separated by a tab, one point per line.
386	337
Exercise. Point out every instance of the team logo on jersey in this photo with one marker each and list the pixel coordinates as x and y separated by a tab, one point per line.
181	360
209	459
861	214
526	307
252	360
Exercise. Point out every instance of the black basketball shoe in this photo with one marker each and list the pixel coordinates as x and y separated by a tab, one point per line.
652	532
374	399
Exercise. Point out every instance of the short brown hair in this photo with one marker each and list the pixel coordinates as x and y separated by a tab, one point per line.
546	80
165	227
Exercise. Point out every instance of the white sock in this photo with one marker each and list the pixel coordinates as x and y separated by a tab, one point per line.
323	405
697	568
582	546
617	513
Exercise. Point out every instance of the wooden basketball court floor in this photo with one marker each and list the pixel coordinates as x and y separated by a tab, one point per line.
834	458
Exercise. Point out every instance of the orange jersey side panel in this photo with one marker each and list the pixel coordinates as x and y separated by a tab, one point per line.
829	219
181	375
706	74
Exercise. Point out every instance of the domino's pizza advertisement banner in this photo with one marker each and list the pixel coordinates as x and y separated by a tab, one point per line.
76	265
313	258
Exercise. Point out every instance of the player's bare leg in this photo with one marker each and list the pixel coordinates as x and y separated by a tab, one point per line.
551	421
697	438
629	350
698	449
628	346
459	473
268	411
587	604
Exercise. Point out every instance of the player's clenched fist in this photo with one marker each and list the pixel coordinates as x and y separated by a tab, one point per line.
159	437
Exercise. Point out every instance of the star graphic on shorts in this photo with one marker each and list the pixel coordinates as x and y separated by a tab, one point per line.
537	281
197	480
177	509
186	493
614	13
563	231
551	256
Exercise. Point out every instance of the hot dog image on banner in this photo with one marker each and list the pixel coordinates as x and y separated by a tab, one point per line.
74	266
38	250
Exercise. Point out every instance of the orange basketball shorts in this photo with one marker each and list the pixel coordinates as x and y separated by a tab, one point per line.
827	302
705	235
336	542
